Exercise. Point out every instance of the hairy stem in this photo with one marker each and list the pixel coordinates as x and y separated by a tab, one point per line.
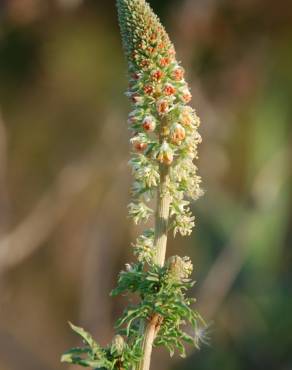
161	227
161	218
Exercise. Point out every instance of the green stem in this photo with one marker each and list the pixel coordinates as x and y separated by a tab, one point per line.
160	242
162	217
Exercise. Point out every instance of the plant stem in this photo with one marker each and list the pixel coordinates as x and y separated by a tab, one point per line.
162	217
160	242
149	336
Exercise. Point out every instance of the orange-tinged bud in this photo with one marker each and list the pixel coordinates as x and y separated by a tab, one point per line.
178	134
164	62
149	124
162	106
187	116
157	75
144	63
169	89
178	73
186	95
139	147
148	89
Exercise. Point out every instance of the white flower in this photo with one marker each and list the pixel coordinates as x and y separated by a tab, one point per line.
144	246
139	212
183	224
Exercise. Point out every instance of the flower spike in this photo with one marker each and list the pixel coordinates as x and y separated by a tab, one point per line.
164	140
164	125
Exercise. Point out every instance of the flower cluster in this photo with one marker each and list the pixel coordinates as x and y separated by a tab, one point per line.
164	139
164	128
144	247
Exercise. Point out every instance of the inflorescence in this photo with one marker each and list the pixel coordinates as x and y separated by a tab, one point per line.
164	133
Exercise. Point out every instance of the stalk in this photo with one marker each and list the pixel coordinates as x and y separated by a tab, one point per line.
160	242
162	217
149	336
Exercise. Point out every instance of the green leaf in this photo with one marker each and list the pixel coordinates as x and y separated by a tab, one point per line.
77	360
76	351
85	336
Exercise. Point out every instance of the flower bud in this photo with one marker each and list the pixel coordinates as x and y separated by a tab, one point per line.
144	63
187	116
186	95
165	154
149	123
169	89
136	98
162	106
177	133
157	75
178	73
138	145
136	76
172	52
148	89
164	62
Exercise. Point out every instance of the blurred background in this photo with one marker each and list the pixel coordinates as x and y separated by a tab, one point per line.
64	178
